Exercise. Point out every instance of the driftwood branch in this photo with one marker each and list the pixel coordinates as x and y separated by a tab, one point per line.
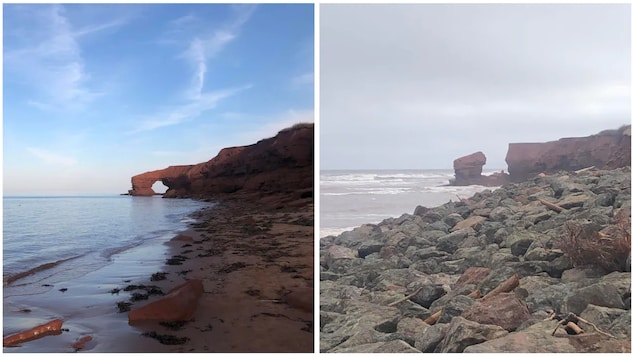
504	287
571	321
552	206
584	169
461	199
405	297
433	318
595	327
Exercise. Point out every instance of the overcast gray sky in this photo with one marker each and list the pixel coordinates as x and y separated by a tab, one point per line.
419	85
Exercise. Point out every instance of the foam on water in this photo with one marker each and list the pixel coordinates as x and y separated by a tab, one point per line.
352	198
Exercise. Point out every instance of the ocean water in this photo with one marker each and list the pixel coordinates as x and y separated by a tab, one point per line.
349	199
47	240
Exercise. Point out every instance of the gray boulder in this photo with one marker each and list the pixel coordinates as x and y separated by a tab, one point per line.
463	333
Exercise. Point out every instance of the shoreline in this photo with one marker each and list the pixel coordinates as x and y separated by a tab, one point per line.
486	273
249	252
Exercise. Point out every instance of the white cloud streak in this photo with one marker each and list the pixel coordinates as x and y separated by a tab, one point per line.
204	47
201	49
182	113
48	58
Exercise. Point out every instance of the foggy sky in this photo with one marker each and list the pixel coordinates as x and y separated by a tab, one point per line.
419	85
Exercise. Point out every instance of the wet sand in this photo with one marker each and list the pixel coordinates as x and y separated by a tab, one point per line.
255	257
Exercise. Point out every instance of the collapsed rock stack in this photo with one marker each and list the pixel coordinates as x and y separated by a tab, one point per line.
412	284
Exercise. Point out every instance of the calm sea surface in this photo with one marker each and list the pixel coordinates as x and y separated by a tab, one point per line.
349	199
88	231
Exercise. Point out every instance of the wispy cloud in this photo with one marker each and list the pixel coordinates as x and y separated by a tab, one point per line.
182	113
203	47
52	158
48	58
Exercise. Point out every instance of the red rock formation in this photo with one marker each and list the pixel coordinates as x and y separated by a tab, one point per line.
469	167
608	149
179	304
283	163
468	171
142	183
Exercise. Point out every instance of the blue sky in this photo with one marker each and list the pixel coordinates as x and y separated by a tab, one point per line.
94	94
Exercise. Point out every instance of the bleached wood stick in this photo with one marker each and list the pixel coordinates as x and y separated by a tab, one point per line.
552	206
405	298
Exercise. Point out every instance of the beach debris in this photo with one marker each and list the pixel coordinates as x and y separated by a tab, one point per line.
138	296
173	325
552	206
504	287
571	322
53	327
158	276
405	297
150	289
184	272
166	339
81	343
176	260
123	306
179	304
232	267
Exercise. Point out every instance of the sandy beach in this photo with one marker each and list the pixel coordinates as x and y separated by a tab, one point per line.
255	258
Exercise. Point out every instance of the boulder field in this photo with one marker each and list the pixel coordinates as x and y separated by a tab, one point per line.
425	282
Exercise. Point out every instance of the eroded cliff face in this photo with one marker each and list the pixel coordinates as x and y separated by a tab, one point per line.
142	183
608	150
283	163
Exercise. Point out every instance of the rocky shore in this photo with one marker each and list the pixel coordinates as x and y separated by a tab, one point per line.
254	258
496	272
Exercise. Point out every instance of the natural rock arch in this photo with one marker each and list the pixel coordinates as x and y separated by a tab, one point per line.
142	183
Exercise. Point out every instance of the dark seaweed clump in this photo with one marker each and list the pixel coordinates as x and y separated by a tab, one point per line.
166	339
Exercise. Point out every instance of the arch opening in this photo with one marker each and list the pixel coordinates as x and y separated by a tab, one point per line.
159	188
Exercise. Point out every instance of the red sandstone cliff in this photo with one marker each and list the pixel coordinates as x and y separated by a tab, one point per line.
608	149
283	163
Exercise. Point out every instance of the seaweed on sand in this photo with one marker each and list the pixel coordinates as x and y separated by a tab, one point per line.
166	339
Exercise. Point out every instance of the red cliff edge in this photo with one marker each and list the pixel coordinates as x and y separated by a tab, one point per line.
281	164
608	149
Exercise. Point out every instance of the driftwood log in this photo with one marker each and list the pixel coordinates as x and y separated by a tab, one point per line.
584	169
552	206
50	328
504	287
405	297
